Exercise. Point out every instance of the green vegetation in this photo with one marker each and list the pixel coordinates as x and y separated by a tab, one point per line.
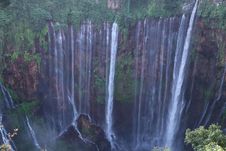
13	94
26	56
210	139
208	94
124	91
24	21
27	107
99	84
221	54
5	147
215	15
224	116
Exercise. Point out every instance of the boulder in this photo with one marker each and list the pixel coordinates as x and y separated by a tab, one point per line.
93	133
71	141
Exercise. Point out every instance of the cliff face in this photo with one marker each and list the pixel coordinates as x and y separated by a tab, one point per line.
22	77
207	75
205	90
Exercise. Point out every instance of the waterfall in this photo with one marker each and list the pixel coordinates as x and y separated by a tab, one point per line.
160	56
8	101
109	103
7	97
85	46
107	58
33	135
176	104
161	51
57	78
137	100
88	66
153	59
72	96
5	137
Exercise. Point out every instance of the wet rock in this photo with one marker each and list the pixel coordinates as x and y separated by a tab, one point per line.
93	133
71	140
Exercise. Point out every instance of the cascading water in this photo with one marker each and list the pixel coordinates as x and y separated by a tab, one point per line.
107	58
85	46
153	58
153	74
109	103
5	137
157	120
56	82
72	95
175	92
177	105
33	135
7	97
64	78
137	101
81	78
8	101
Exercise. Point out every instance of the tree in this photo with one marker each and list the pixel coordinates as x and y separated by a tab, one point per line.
210	139
213	147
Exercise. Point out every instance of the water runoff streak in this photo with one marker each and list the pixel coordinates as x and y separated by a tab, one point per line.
4	135
8	101
109	103
33	135
7	97
66	108
177	105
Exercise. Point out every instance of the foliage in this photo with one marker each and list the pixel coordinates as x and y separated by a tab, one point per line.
4	18
124	91
203	139
163	8
219	39
215	15
26	56
23	21
99	84
213	147
224	116
5	147
12	94
208	94
27	107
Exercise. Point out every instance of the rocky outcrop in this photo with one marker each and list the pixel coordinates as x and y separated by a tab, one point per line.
93	133
89	138
71	137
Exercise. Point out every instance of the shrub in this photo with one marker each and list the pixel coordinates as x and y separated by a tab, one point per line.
203	139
